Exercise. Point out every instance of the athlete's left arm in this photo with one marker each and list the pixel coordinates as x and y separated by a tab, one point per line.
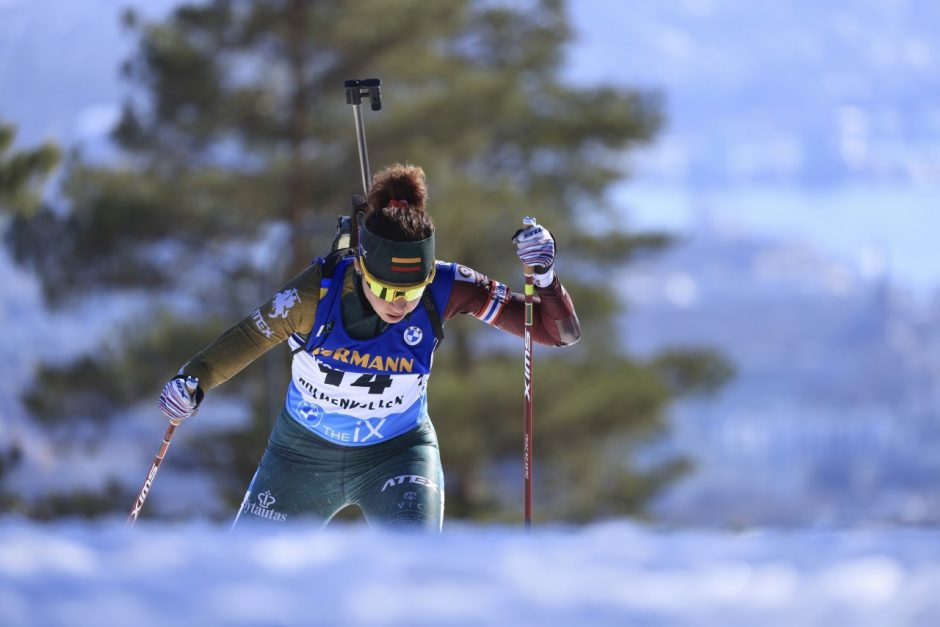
554	321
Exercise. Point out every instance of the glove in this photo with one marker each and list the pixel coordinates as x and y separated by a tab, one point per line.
180	398
535	246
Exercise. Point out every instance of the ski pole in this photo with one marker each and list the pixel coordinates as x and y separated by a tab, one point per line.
529	274
145	490
355	90
157	460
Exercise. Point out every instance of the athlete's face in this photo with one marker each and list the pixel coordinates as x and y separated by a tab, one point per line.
390	312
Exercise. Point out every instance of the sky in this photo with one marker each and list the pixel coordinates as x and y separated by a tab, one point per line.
800	120
604	574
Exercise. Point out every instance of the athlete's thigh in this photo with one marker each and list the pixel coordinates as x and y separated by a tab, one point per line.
286	489
405	490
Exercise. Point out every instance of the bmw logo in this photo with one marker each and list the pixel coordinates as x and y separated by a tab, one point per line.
312	414
413	335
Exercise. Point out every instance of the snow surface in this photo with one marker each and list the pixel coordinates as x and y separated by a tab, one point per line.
612	573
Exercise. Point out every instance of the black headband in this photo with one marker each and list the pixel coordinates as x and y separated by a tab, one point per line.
396	263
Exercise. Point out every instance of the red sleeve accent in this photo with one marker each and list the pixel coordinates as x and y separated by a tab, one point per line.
555	322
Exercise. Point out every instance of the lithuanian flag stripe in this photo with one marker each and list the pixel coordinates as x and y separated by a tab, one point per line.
406	264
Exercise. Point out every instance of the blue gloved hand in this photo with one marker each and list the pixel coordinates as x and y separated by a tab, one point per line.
535	246
180	398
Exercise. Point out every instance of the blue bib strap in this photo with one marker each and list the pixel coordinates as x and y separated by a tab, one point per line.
331	286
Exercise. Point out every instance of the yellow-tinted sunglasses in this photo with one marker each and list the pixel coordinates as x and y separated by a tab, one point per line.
390	293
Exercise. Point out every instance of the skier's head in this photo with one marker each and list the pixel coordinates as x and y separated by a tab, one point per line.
396	239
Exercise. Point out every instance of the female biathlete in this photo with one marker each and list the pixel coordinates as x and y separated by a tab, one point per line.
362	329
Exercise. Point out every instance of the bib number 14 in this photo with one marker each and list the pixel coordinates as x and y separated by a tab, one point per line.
376	383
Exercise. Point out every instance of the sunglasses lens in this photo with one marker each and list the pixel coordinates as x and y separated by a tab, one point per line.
378	290
414	294
389	295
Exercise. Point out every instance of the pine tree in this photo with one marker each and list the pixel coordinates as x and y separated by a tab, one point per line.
240	144
22	175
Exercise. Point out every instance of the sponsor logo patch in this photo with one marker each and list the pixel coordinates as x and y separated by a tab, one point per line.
465	274
410	479
263	509
282	302
261	324
312	414
366	360
413	335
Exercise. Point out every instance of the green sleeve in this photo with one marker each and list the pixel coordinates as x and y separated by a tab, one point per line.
291	310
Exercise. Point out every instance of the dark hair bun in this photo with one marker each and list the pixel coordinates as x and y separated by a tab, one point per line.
396	204
398	186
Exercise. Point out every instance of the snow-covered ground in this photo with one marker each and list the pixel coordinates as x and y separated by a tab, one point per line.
610	573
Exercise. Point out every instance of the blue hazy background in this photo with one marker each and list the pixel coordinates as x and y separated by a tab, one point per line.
801	168
800	171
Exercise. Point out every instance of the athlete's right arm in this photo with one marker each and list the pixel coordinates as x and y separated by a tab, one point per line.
291	310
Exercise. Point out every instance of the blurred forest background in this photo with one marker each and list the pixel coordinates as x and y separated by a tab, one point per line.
233	155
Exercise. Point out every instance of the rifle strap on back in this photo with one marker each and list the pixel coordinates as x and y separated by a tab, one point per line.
434	316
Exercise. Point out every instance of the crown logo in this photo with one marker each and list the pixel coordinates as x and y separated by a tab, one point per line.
265	499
